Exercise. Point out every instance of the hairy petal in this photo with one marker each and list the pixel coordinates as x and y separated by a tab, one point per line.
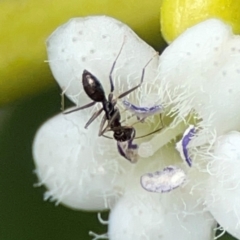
200	71
92	43
80	169
159	216
224	185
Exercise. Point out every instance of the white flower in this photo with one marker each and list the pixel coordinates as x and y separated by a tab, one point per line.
197	80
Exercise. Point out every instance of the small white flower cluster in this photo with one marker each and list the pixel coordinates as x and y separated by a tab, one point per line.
195	85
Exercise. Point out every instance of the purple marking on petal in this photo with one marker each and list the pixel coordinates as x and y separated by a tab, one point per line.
163	181
142	112
185	142
181	146
128	150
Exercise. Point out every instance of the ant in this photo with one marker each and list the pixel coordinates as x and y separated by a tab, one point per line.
94	89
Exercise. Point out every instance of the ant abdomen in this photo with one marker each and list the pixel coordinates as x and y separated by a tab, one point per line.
93	87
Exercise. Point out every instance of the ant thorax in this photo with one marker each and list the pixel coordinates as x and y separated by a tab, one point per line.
109	109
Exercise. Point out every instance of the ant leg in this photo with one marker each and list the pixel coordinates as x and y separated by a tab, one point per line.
113	66
159	129
109	122
101	131
107	136
129	117
106	129
141	81
80	108
121	114
94	116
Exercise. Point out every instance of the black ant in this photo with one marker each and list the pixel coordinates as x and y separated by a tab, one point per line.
94	89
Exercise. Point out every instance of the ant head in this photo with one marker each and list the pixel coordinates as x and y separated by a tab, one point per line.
124	133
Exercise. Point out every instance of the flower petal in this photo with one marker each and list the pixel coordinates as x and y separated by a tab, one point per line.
79	168
223	199
155	216
92	43
200	71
